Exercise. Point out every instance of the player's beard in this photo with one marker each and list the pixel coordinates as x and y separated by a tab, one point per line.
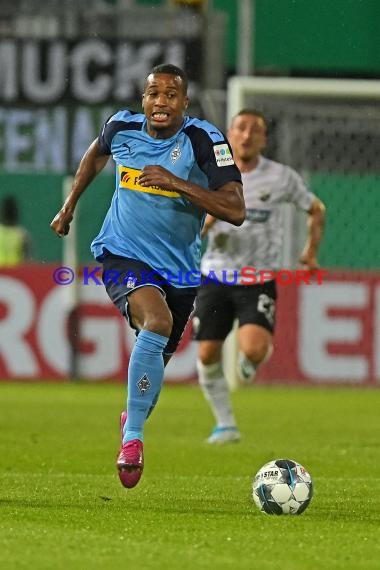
247	157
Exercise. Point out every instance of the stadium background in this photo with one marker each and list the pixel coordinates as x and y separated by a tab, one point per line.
58	83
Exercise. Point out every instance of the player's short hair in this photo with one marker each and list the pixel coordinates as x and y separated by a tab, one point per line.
254	113
171	70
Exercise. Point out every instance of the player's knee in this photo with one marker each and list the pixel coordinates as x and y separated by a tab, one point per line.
159	323
208	354
258	352
207	359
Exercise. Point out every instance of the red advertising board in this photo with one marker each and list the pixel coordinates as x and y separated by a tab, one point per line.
326	334
35	332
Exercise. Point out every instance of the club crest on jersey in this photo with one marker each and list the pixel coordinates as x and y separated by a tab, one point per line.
175	154
264	195
143	384
223	155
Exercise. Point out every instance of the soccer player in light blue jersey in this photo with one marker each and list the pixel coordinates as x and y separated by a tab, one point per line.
171	170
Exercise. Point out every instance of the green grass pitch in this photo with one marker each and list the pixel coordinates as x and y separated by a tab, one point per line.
62	506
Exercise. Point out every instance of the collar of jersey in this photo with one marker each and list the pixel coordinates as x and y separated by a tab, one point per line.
173	137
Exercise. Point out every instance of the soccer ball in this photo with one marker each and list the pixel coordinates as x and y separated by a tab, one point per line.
282	487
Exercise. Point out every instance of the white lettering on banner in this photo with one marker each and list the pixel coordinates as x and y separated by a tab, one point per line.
82	132
90	70
50	141
317	329
51	330
17	139
104	333
105	359
33	141
36	140
376	335
84	55
109	337
8	70
54	83
15	350
182	364
131	63
340	315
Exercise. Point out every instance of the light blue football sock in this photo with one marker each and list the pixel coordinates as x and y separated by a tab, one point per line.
145	377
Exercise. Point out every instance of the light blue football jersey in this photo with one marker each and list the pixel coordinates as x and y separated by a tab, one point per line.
151	224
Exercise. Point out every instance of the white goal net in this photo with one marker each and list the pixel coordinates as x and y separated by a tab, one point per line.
329	131
319	126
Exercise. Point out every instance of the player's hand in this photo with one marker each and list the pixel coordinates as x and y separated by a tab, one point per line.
61	222
154	175
309	262
209	222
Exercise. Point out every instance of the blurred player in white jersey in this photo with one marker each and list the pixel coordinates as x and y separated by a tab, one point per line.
257	243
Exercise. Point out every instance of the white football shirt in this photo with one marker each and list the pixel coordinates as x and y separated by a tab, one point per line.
258	242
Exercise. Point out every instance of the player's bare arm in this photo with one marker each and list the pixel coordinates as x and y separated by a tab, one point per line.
226	203
315	223
89	167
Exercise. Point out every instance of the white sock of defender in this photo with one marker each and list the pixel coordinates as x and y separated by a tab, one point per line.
215	389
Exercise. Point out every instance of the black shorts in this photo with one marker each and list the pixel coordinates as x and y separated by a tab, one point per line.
122	275
218	305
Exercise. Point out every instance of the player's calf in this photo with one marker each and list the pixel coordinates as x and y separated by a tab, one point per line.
246	369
